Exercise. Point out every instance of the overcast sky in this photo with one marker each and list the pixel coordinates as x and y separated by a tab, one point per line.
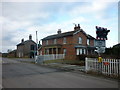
19	19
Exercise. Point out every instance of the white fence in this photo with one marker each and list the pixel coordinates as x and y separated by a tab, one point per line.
41	58
107	66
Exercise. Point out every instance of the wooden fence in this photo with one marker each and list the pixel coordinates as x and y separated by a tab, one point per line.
107	66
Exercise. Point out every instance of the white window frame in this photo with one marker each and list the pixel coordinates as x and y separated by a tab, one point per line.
84	51
80	51
80	40
64	51
88	41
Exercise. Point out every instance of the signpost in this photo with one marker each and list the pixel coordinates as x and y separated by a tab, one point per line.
101	36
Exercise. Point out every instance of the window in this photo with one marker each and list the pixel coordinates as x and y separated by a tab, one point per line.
81	51
84	51
78	51
55	41
47	42
32	47
88	41
64	51
64	40
80	40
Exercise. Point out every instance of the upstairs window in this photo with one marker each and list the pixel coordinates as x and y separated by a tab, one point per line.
88	41
46	42
32	47
80	40
55	41
64	40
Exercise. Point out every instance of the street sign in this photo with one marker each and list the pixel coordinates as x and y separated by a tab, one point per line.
100	49
100	43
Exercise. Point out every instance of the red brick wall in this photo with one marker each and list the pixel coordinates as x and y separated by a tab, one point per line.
91	42
83	36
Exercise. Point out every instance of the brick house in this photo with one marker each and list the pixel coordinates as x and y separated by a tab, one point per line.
72	44
26	48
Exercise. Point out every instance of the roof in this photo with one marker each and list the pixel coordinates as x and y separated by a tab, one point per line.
13	51
25	42
66	34
89	36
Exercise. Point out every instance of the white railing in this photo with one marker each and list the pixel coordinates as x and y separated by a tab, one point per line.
107	66
41	58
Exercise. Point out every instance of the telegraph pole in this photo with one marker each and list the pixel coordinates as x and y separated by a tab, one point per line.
37	44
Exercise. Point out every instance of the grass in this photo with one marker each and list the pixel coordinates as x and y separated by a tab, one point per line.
62	61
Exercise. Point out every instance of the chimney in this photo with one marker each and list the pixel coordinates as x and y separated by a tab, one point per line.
22	40
59	31
77	27
30	37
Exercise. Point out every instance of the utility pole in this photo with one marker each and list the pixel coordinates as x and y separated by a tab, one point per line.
37	44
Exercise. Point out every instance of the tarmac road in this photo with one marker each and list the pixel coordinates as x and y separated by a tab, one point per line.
25	75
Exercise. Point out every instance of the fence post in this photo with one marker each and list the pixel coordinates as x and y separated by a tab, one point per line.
86	64
118	71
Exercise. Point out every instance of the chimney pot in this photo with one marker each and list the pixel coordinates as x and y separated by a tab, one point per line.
59	31
30	37
22	40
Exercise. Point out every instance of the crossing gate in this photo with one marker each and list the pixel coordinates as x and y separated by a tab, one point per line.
107	66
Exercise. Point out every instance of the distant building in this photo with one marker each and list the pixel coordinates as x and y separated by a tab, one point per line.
116	50
71	44
26	48
12	53
113	52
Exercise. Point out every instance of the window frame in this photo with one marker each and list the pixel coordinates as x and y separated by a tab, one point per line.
64	51
80	40
46	42
55	41
64	40
88	41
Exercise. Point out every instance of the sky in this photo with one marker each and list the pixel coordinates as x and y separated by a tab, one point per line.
18	19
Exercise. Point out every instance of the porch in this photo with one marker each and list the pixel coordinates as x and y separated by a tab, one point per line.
53	49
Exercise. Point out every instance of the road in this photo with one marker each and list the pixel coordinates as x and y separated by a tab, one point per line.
25	75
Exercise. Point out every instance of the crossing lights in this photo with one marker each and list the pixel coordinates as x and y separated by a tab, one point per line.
101	33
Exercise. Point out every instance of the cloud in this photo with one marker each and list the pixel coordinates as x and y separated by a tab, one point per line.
21	19
58	0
